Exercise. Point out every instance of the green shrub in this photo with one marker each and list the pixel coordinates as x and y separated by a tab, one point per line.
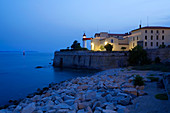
153	79
162	46
138	56
138	81
161	96
108	47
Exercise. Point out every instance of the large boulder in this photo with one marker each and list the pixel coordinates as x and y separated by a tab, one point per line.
67	97
29	108
108	111
128	85
82	87
124	100
90	95
62	106
130	90
69	102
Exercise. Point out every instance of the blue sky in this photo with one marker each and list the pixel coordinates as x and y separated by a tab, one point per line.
48	25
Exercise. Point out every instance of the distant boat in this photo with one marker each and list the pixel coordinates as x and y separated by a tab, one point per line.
23	53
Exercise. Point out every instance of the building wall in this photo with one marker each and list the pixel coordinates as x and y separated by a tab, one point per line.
91	60
102	60
141	37
111	40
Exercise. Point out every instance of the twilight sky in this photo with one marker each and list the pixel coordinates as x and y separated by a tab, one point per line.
48	25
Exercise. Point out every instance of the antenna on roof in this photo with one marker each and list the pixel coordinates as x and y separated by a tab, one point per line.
147	21
140	26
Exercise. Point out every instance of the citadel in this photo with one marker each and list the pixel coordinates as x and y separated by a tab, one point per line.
149	37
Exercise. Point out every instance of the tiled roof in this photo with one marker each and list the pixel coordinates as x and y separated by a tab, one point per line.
112	34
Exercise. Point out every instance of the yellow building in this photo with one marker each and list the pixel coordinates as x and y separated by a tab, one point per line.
117	40
147	37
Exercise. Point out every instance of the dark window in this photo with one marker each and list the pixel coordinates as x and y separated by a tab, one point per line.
137	37
157	31
145	43
151	37
163	37
145	37
162	43
156	43
162	31
111	40
151	31
133	44
157	37
145	31
151	43
133	38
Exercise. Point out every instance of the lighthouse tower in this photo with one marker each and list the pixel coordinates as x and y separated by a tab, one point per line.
84	41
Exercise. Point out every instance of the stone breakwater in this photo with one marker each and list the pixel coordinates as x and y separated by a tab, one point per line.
101	93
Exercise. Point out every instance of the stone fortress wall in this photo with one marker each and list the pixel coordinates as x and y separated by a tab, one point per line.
102	60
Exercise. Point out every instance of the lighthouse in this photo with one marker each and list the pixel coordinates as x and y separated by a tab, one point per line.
84	41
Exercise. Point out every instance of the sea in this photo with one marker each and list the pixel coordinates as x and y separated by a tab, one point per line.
20	77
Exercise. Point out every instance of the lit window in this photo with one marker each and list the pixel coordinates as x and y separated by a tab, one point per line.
145	31
145	43
145	37
151	31
151	37
163	37
156	43
111	40
151	43
157	37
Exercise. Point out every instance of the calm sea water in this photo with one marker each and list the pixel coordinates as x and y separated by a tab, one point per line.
19	77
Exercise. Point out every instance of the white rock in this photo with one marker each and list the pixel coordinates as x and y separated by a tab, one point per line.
96	104
81	111
63	111
130	90
108	111
69	102
128	85
18	108
67	97
62	106
29	108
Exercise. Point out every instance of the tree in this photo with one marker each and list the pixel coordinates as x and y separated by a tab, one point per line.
108	47
76	45
123	48
138	56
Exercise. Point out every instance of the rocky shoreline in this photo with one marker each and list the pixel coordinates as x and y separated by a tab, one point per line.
105	92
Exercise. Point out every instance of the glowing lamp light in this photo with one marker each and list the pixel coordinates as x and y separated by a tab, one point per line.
92	46
105	43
